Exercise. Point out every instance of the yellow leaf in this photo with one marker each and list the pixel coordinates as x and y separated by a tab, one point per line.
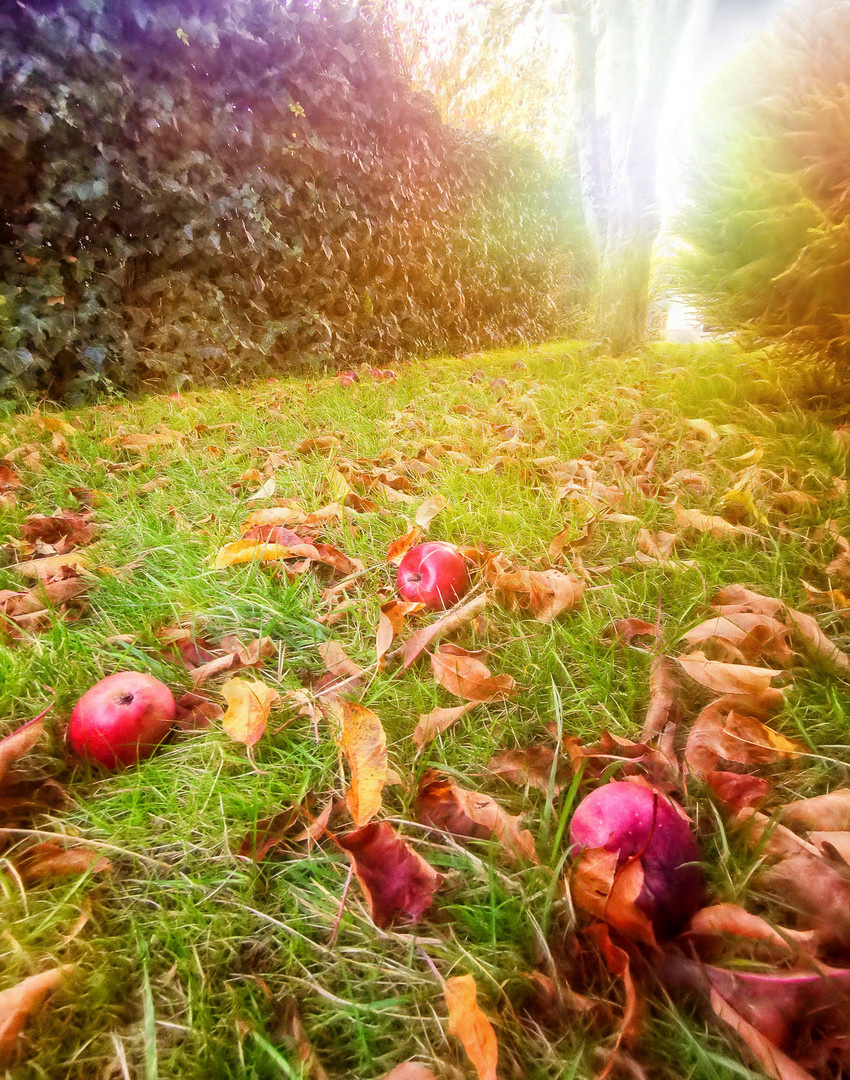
337	486
362	740
242	551
249	703
704	428
429	510
469	1024
264	492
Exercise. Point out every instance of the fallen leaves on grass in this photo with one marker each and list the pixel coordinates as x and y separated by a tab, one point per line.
19	742
744	637
249	703
429	510
446	624
443	804
398	548
54	565
62	531
724	678
268	833
545	593
431	724
462	673
469	1024
33	609
626	630
194	712
396	881
55	859
826	812
362	739
721	733
718	527
531	766
19	1002
391	623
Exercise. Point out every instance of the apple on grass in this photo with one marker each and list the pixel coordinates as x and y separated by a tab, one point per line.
434	574
121	719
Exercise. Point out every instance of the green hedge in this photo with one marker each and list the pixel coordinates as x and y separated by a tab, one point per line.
769	221
201	190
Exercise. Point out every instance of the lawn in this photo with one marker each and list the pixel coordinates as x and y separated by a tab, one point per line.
192	960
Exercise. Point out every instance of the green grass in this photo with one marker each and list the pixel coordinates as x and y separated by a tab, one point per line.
189	954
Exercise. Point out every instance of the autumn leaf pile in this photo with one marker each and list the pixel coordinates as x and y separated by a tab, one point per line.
711	737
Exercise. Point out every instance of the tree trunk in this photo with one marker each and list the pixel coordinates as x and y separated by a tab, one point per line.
634	45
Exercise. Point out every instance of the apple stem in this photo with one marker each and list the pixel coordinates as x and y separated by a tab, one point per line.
125	699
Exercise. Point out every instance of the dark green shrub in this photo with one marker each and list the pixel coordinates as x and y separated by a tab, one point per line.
769	221
200	189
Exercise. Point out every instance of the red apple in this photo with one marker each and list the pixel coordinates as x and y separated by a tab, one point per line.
376	374
348	378
388	373
121	719
641	822
434	574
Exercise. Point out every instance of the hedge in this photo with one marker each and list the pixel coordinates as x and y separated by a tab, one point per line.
769	220
201	190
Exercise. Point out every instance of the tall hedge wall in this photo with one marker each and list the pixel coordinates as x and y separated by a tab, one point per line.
200	189
769	221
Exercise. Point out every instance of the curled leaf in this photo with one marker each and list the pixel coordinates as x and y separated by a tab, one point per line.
725	678
429	510
721	733
545	593
446	624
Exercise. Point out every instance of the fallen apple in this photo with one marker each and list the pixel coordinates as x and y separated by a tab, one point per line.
348	378
388	373
434	574
638	821
121	719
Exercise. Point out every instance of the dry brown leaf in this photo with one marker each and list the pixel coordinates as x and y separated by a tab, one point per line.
19	1002
265	491
142	441
446	624
718	527
659	547
665	709
398	548
395	879
468	1023
722	920
443	804
54	858
465	676
361	738
751	636
431	724
531	766
249	703
338	662
54	565
626	630
826	812
610	893
720	733
728	678
391	623
19	742
429	510
67	528
545	593
276	515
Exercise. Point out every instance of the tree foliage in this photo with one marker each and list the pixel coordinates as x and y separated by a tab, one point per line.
198	190
769	216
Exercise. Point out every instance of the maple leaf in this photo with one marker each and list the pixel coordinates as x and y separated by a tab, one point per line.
397	882
464	675
469	1024
249	703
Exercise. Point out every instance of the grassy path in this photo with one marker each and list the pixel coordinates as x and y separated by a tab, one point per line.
188	958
